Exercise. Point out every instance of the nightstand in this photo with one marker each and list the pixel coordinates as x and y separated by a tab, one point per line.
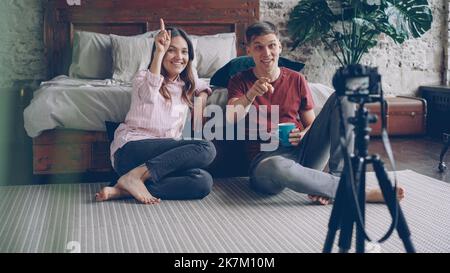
446	138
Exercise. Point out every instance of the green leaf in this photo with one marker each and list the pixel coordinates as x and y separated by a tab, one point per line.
309	20
363	24
409	18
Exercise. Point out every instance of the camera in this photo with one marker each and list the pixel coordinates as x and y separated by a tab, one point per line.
358	83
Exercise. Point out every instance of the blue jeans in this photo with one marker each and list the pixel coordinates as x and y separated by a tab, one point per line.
300	168
175	166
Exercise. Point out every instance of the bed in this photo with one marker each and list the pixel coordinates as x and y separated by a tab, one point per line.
71	145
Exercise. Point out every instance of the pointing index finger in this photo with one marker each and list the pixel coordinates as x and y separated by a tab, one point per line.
161	24
264	79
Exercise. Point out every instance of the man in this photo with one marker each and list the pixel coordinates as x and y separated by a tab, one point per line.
315	140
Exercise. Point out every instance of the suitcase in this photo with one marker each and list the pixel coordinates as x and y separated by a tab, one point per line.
404	115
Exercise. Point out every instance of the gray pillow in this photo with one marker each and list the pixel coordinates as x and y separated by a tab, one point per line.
91	55
130	55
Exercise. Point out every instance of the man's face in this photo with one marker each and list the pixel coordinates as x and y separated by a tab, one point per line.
265	51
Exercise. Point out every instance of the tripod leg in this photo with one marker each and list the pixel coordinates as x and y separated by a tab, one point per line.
390	198
345	237
349	217
336	216
360	236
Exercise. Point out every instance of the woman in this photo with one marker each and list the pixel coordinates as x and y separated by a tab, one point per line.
147	152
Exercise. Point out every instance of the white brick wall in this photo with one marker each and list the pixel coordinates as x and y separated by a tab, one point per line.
21	41
446	42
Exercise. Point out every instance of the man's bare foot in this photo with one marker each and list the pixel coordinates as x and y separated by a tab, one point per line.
320	200
376	196
372	196
133	182
109	193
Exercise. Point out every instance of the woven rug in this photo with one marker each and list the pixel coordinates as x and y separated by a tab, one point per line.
64	218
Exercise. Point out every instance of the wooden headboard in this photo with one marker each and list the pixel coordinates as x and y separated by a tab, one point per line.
131	17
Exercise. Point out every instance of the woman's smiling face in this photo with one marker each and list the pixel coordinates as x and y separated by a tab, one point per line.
176	57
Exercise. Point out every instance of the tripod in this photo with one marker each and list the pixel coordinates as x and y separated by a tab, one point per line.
345	211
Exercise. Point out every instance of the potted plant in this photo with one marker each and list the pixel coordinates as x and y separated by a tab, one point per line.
351	27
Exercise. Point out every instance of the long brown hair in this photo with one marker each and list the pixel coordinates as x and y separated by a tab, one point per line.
186	75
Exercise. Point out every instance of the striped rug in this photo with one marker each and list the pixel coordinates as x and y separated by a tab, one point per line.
64	218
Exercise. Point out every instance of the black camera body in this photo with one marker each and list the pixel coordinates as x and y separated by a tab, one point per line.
358	83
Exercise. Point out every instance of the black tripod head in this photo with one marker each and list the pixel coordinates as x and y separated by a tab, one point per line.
359	83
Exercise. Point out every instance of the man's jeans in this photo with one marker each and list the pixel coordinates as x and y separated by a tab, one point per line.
300	168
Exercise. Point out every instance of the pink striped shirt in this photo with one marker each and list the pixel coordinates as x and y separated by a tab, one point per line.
150	115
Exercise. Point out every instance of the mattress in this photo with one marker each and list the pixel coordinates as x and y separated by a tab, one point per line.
82	104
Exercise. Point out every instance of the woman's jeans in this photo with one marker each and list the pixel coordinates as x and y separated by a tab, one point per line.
300	168
175	166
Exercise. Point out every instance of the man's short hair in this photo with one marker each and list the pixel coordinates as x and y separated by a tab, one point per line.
259	29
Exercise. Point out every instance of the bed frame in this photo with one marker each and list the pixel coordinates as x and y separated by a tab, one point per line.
61	151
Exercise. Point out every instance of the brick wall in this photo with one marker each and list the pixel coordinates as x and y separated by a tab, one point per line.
21	41
403	67
446	43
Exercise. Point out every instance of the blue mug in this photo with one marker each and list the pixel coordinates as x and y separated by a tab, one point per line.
283	133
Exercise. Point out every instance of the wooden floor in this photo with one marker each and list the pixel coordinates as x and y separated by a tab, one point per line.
420	154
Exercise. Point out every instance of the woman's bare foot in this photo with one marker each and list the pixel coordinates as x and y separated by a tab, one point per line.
109	193
133	182
376	196
372	196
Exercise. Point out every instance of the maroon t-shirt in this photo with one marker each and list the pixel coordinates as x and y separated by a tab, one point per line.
291	94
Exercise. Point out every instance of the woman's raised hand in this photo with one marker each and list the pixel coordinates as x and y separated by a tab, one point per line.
162	40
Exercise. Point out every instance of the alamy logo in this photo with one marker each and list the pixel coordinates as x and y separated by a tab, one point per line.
73	247
73	2
218	127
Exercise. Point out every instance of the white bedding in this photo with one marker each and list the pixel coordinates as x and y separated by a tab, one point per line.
70	103
65	102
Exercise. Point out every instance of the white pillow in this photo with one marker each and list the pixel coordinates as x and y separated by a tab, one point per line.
320	94
91	55
213	51
194	61
130	55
